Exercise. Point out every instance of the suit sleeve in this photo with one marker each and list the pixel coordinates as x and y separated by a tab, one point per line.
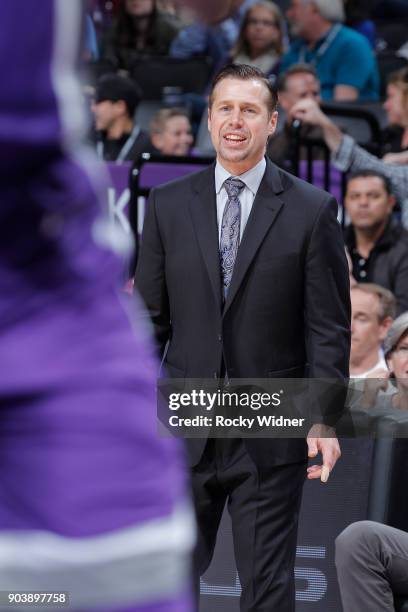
327	297
150	279
327	316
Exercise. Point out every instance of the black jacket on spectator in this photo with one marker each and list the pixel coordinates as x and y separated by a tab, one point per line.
109	150
387	264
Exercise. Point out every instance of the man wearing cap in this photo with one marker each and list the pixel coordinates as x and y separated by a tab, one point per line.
243	270
119	137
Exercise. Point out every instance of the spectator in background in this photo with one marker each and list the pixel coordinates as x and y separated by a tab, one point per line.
347	155
377	244
372	312
344	61
297	83
372	558
139	30
216	40
119	137
260	40
170	132
395	137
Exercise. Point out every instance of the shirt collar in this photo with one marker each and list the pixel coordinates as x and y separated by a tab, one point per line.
320	41
252	177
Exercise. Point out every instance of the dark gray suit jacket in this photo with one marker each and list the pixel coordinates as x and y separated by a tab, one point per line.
288	308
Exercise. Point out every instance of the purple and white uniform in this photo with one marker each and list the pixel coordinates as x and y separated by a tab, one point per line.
91	499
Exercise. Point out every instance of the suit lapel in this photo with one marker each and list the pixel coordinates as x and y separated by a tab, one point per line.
265	208
203	210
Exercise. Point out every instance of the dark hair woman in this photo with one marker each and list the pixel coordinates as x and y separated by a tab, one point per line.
139	30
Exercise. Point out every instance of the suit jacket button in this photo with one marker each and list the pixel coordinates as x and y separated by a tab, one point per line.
220	337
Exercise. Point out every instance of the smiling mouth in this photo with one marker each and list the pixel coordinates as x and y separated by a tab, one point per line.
234	138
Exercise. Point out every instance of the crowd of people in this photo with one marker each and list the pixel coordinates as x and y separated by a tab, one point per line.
313	57
324	51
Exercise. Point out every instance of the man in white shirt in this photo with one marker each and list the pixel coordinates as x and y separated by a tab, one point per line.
373	310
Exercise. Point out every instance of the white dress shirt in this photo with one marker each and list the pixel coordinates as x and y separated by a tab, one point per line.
252	179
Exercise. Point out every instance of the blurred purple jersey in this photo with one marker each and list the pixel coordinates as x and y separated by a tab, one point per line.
90	496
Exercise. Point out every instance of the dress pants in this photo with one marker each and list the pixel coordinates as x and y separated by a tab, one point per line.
372	566
264	509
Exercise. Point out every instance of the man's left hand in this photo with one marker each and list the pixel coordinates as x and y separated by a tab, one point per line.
323	439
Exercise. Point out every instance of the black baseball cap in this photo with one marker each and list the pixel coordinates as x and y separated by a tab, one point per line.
113	87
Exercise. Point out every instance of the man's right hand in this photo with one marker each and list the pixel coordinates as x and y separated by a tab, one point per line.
308	111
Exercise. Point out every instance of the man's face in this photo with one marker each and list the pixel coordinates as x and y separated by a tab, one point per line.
299	86
300	16
239	123
367	332
139	8
105	113
176	138
367	202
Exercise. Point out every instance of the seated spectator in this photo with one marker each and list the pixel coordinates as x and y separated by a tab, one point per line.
344	61
348	156
377	244
215	34
119	137
372	565
139	30
170	132
260	40
372	312
395	137
297	83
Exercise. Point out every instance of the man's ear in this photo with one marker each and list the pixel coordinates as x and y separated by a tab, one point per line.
209	118
272	123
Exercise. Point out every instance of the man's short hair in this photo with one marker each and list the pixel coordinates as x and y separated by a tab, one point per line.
387	301
159	120
113	87
332	10
244	72
300	68
369	173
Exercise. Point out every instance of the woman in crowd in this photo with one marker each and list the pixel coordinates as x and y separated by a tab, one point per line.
140	29
396	355
170	132
395	136
260	40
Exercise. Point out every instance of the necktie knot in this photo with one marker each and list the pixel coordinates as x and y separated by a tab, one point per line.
233	186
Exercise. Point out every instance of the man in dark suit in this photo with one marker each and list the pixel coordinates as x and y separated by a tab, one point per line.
243	271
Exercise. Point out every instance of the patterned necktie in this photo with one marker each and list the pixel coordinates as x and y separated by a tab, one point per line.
230	230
